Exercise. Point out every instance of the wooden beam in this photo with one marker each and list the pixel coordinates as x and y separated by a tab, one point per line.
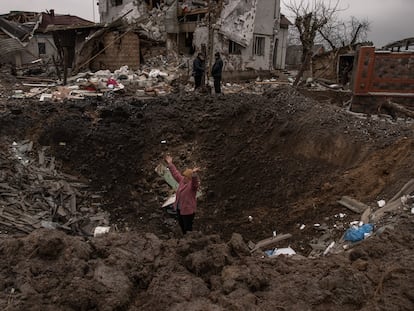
353	205
270	241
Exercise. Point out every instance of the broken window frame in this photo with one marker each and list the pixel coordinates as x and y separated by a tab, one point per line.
234	48
115	3
153	3
259	43
41	46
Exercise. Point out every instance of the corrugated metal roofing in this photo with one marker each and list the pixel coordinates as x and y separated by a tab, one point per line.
11	45
15	29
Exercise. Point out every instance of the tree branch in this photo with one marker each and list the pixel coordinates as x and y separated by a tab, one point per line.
333	47
354	38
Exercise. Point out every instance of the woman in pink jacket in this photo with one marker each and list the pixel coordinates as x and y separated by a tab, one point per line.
185	201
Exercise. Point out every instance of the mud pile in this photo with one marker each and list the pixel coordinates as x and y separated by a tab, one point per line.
281	158
49	270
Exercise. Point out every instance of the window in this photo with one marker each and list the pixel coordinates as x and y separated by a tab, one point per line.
259	46
153	3
234	48
116	2
42	48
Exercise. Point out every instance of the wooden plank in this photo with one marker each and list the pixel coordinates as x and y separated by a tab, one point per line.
395	202
7	186
408	188
16	222
271	241
35	79
72	203
22	229
41	154
353	205
365	215
22	217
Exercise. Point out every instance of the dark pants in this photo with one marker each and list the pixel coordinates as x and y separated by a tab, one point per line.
197	81
185	221
217	85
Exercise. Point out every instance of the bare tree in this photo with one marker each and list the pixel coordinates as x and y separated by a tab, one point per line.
345	33
310	17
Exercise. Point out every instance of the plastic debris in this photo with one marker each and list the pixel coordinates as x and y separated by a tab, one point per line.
111	83
381	203
355	234
280	251
328	249
18	94
100	231
169	201
49	224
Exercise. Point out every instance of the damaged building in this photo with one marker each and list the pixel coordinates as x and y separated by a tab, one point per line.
250	35
24	39
336	65
58	44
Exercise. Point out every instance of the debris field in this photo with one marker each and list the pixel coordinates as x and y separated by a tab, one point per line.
279	171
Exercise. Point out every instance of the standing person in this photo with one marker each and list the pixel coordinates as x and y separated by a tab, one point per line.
185	202
216	73
198	70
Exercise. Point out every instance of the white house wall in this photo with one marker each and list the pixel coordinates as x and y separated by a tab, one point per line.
258	62
281	48
109	13
266	22
266	13
31	51
237	20
33	48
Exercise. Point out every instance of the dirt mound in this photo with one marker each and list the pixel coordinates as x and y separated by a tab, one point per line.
280	158
126	271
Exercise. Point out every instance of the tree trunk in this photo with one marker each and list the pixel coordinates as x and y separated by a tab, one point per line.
304	66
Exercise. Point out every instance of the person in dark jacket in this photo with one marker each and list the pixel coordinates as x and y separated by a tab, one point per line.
185	201
216	73
198	70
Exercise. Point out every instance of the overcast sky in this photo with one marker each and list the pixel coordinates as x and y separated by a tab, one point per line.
391	20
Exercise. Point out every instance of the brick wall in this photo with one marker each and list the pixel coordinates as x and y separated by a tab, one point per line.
381	77
384	72
393	71
122	49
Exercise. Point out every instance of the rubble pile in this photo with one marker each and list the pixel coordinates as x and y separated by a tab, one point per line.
34	194
154	25
188	5
103	83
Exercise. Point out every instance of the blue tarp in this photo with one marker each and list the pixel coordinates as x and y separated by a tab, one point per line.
358	234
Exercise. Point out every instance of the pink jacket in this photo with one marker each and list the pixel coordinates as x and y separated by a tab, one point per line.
186	192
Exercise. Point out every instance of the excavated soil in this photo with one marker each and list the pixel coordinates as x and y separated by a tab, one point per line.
281	158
